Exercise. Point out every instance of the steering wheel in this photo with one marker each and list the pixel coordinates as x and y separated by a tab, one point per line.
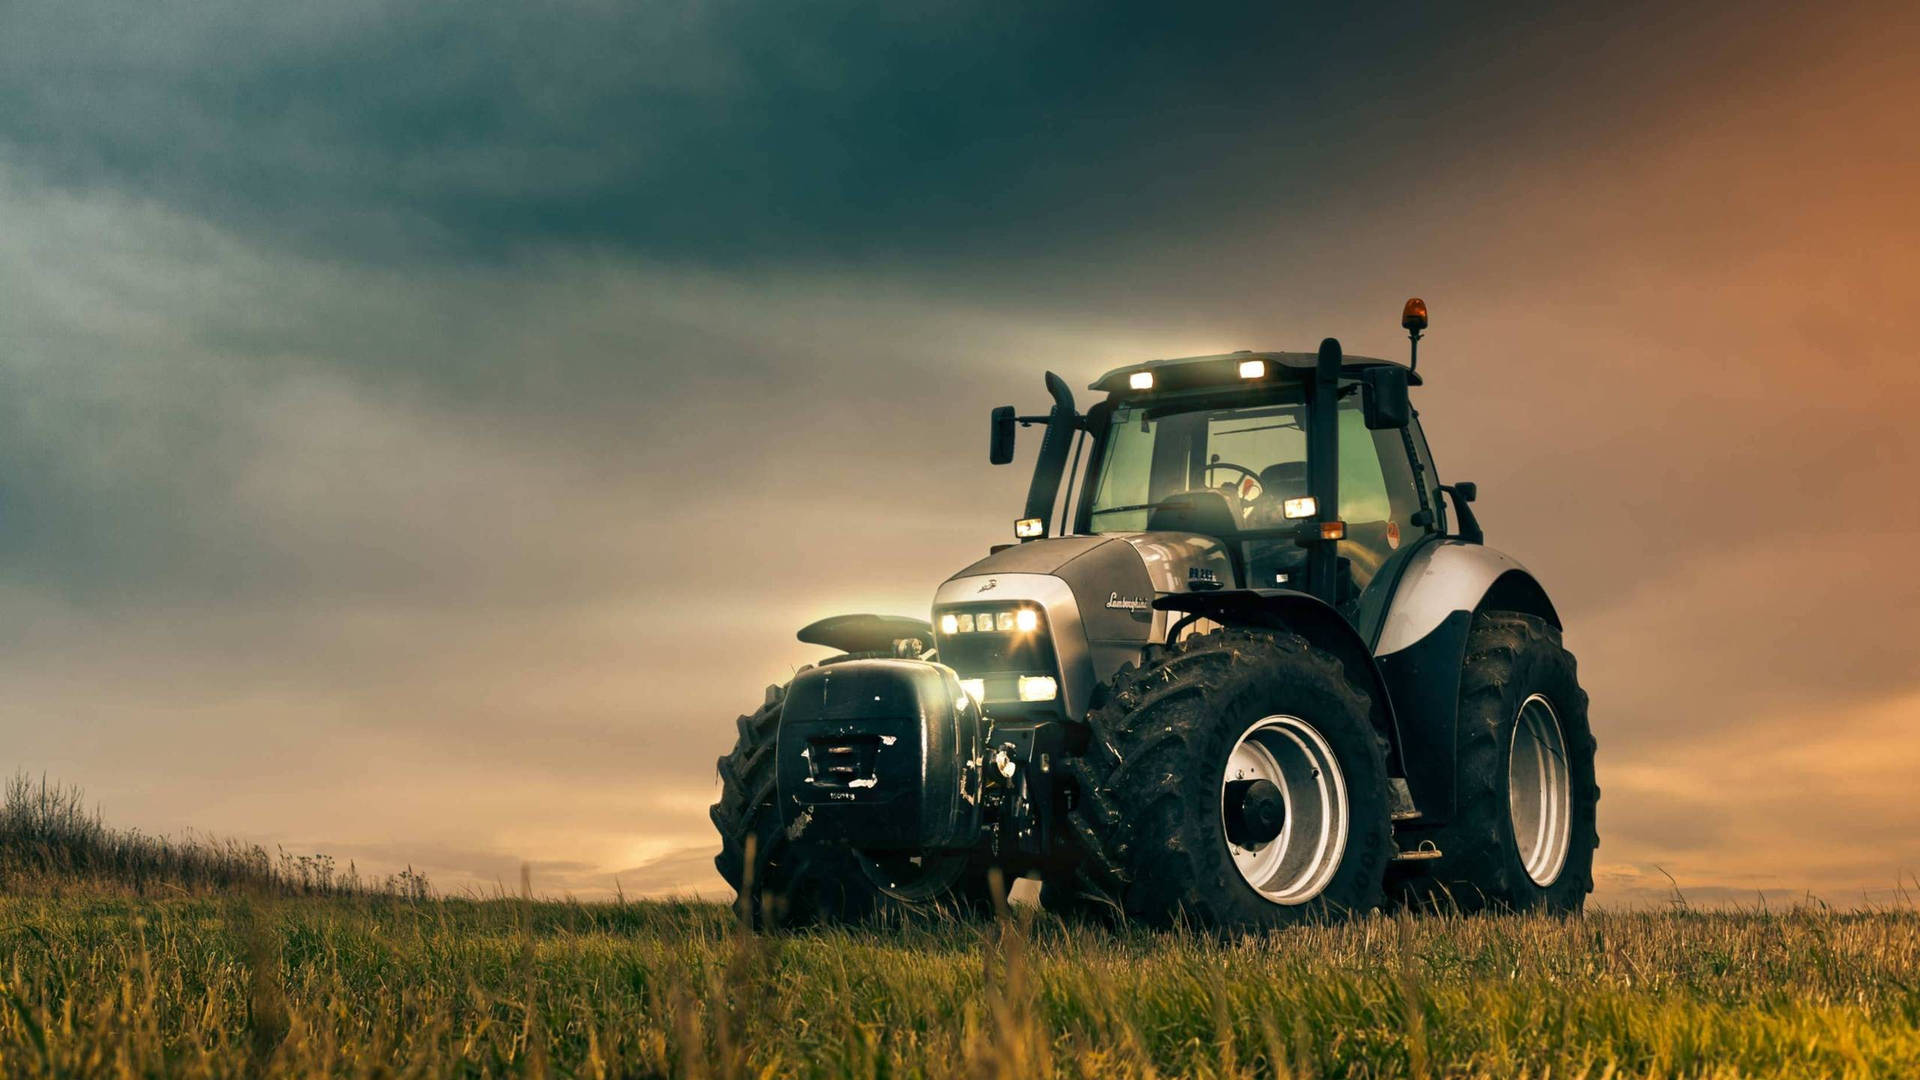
1212	465
1218	464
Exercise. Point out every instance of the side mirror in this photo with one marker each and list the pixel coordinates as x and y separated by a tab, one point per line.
1467	490
1000	446
1383	398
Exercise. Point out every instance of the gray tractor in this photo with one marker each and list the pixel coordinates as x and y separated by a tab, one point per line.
1264	670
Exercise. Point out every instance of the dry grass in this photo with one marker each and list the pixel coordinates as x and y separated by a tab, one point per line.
51	843
357	984
370	986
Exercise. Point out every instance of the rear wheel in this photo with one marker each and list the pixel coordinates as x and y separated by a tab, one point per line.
1235	778
778	881
1523	834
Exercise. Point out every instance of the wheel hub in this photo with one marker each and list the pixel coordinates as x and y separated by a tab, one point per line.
1256	811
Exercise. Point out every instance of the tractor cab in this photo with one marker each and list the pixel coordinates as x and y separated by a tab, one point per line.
1310	469
1218	445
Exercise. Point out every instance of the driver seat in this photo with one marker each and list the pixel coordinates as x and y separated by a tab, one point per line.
1276	563
1278	483
1205	512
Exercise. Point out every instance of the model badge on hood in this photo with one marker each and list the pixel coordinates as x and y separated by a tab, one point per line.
1128	603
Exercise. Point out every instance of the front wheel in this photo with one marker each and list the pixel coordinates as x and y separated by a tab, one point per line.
1235	778
779	880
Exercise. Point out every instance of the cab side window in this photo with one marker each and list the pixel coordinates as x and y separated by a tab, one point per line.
1378	497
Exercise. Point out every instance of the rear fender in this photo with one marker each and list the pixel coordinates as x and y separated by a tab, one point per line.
1311	618
1423	646
1449	576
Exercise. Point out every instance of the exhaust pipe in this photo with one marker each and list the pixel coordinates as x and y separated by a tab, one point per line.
1062	423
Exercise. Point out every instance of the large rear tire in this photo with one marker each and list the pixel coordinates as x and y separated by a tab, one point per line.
778	881
1523	831
1169	815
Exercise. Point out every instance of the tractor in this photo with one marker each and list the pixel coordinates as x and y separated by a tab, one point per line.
1255	666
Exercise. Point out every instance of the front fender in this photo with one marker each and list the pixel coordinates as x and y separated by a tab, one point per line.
1311	618
867	633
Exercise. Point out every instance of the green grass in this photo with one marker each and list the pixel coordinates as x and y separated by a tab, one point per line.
122	956
370	986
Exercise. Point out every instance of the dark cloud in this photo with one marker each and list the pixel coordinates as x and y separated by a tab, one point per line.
702	128
743	132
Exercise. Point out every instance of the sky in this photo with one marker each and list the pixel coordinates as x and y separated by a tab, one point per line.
424	425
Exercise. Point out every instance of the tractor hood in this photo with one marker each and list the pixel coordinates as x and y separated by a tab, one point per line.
1097	593
1172	561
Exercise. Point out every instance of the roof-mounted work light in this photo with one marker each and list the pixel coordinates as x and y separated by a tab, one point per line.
1140	380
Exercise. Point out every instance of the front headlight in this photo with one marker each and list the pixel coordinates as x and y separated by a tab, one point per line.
1012	620
1002	652
1038	688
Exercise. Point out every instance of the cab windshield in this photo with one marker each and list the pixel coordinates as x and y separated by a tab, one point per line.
1255	456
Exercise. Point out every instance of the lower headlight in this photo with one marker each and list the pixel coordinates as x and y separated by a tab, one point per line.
976	689
1038	688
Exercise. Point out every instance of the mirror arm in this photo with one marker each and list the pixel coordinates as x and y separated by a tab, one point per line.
1470	530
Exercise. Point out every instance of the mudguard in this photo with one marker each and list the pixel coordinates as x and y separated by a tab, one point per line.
1446	576
1422	647
867	633
1311	618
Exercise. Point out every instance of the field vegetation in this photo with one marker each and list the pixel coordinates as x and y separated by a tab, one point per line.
205	974
50	843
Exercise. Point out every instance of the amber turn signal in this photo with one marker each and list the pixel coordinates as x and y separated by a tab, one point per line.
1333	530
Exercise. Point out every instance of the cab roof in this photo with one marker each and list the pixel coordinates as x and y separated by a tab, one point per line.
1191	372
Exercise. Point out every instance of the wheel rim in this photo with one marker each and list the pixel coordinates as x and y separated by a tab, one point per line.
1295	866
1539	791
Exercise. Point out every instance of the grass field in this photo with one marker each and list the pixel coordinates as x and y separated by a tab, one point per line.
203	970
372	986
